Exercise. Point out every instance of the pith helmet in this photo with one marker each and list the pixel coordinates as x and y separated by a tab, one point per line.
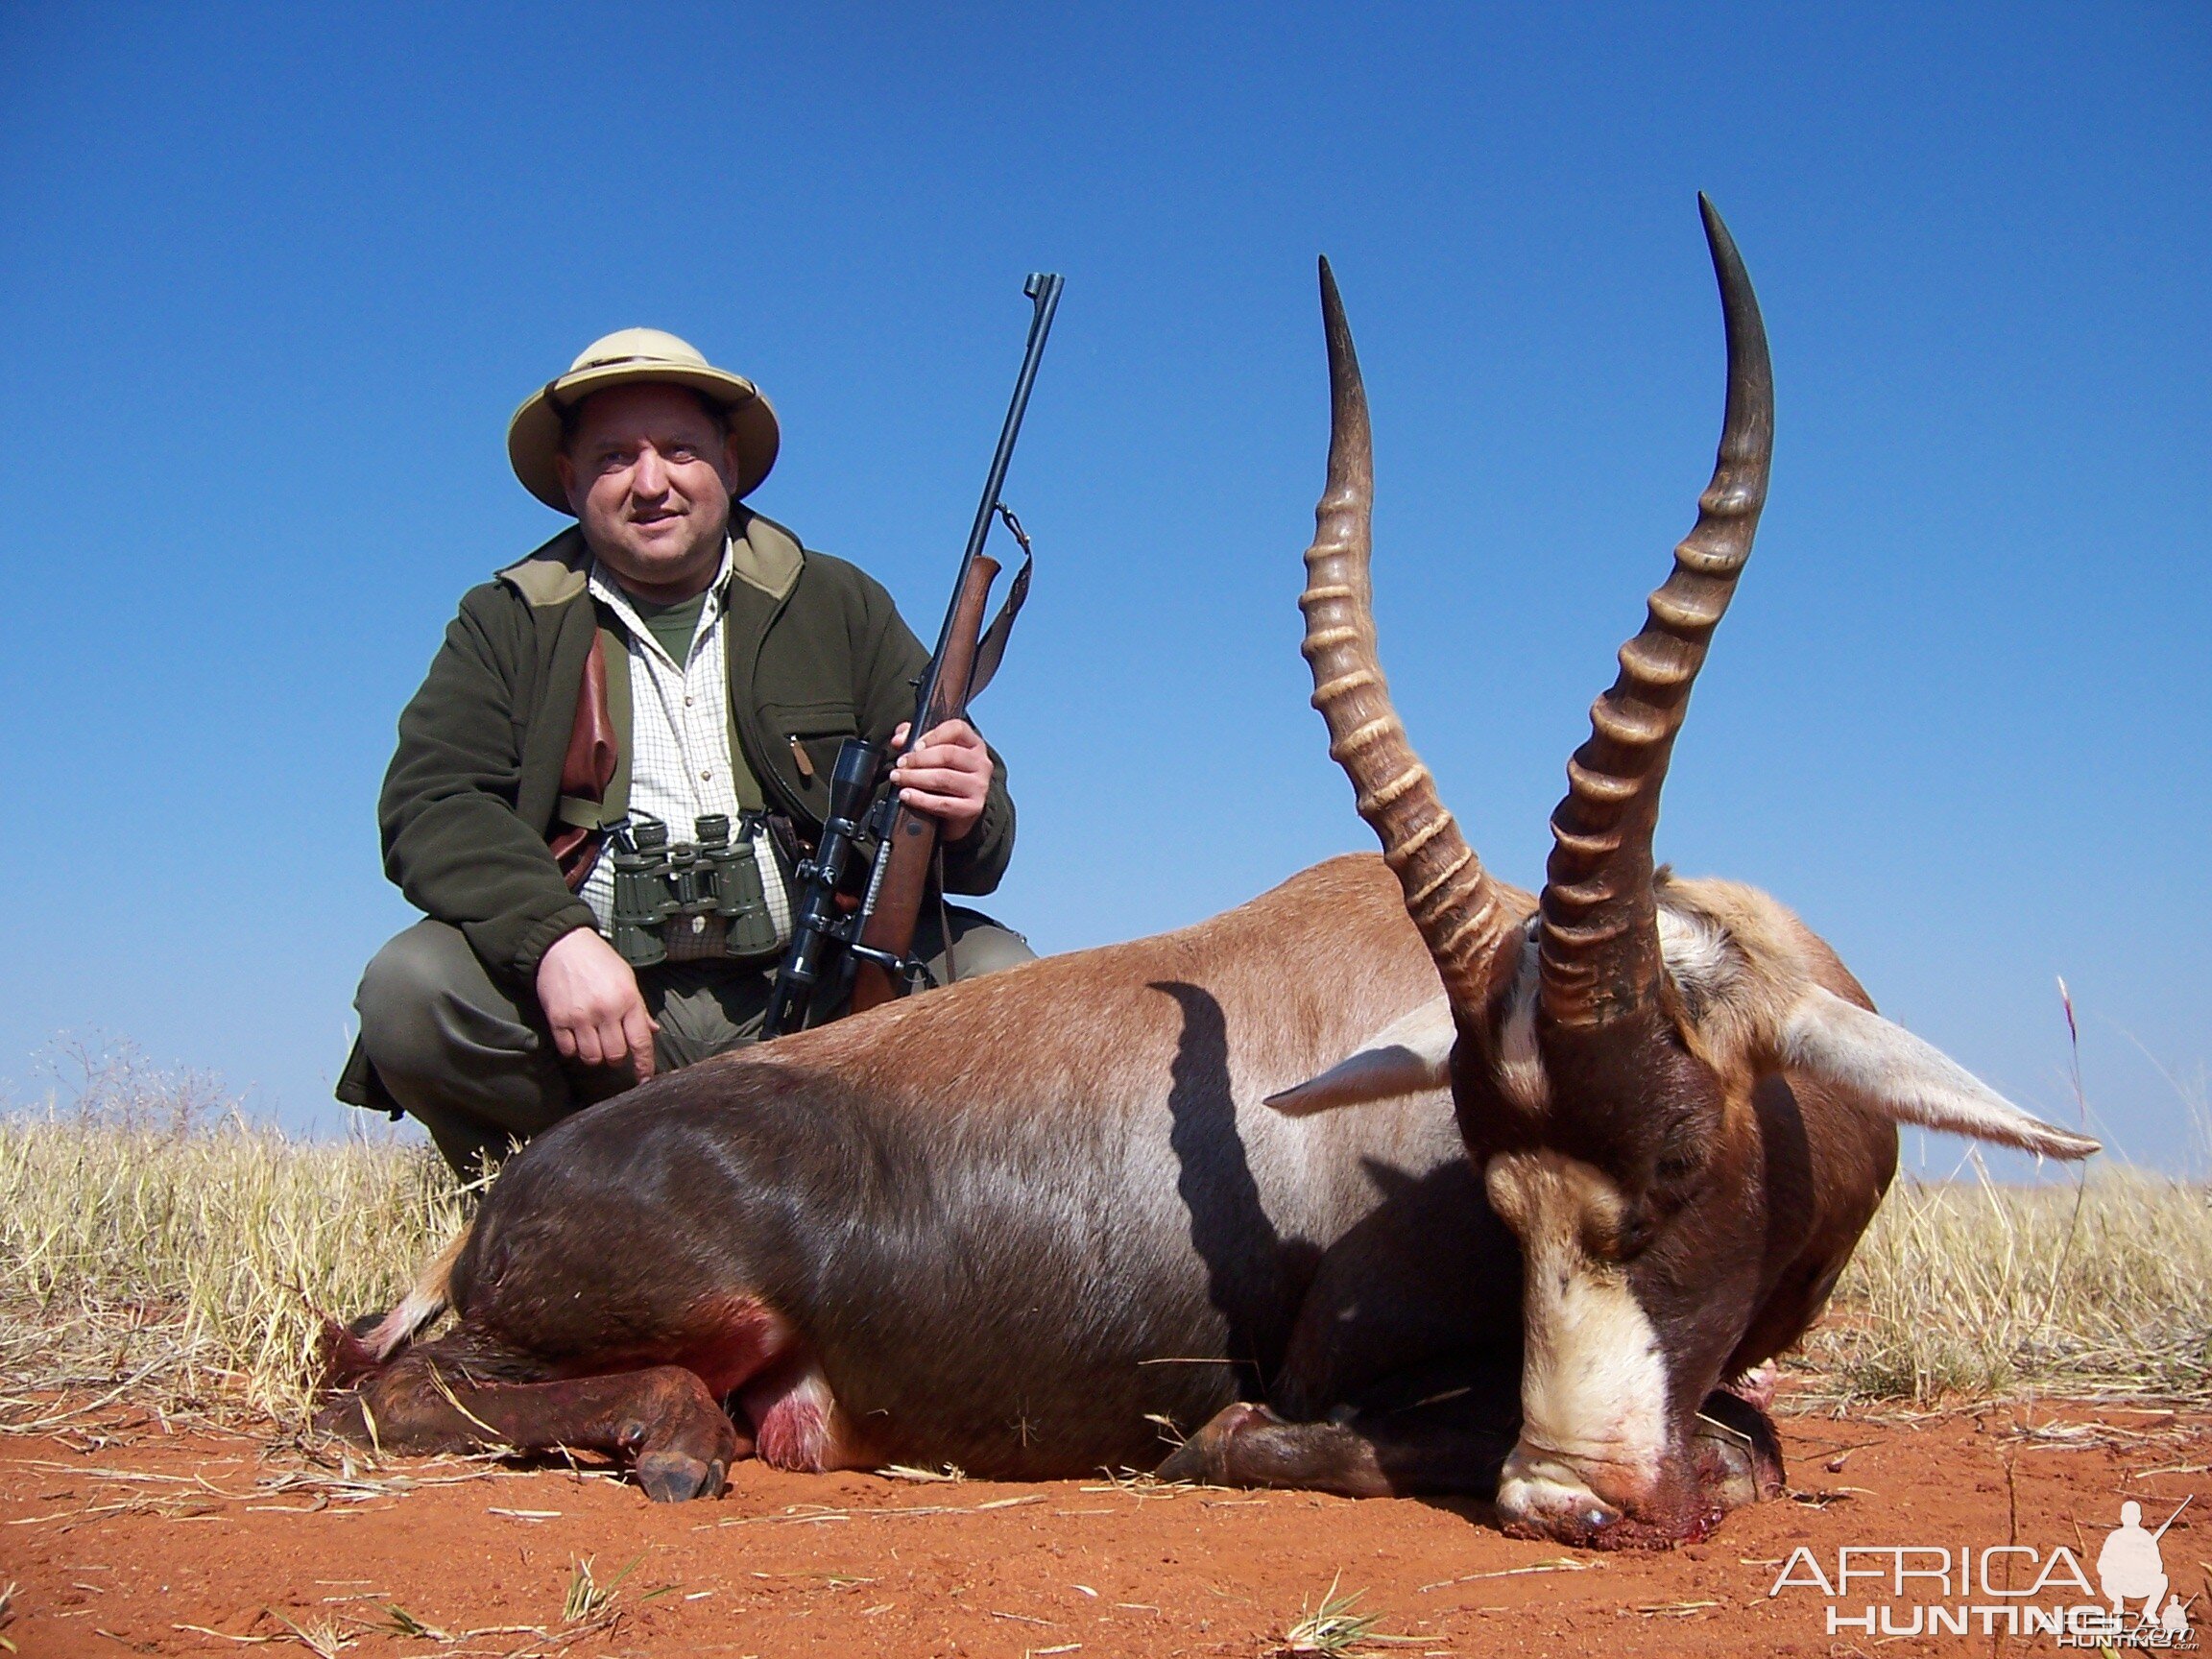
628	358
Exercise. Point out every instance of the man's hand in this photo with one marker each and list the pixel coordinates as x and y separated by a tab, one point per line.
591	1001
947	774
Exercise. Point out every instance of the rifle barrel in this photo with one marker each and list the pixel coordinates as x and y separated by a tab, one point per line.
1043	291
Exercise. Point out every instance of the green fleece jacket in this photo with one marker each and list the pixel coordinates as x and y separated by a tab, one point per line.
817	653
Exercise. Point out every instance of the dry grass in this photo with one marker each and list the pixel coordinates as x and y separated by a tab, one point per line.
1334	1630
1988	1292
156	1249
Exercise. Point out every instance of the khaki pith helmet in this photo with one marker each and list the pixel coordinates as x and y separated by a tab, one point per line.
629	357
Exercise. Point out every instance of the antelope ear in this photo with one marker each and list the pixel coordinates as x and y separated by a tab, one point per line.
1897	1074
1409	1056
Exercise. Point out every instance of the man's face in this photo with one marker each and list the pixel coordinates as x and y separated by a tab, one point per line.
647	472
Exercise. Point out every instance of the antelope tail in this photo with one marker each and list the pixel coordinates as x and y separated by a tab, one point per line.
423	1302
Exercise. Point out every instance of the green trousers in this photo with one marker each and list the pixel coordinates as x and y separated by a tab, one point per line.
474	1062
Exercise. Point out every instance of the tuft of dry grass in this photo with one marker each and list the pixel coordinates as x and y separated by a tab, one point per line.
585	1598
1985	1292
181	1260
1332	1630
159	1250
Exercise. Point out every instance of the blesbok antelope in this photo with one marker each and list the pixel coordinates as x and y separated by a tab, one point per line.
1679	1101
1016	1223
1013	1225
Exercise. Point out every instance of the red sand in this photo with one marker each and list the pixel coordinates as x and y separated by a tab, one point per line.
118	1537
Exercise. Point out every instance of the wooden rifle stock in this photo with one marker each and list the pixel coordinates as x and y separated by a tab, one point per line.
909	849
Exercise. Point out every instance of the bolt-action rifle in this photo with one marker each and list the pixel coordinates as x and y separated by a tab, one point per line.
868	949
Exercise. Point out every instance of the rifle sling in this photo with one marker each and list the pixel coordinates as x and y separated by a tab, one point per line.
993	645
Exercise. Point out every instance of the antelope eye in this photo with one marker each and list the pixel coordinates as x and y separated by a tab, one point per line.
1612	1238
1637	1233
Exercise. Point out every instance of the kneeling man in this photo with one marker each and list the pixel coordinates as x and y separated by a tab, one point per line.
672	655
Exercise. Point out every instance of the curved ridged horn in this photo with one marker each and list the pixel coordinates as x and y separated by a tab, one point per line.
1450	896
1599	939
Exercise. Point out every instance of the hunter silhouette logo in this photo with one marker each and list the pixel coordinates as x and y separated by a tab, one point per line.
2131	1568
2005	1589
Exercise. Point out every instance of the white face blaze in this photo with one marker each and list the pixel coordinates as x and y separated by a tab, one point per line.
1594	1378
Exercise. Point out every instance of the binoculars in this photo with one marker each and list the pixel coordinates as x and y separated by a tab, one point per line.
656	884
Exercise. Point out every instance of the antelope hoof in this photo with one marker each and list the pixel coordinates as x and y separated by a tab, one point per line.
673	1477
1739	1454
1204	1458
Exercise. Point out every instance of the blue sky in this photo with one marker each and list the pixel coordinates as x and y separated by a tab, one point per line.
272	279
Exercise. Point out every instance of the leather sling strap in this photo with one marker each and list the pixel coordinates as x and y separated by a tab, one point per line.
993	645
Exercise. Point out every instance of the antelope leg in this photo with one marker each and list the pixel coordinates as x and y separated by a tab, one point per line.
662	1417
1370	1455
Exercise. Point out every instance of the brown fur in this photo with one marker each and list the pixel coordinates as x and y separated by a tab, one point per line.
970	1225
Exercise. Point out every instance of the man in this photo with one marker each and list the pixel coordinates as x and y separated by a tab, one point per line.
670	655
